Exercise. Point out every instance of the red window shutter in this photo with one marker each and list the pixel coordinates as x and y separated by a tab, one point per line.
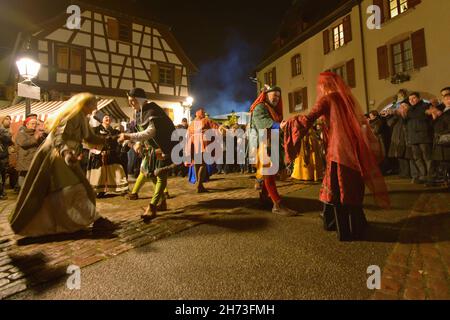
274	76
351	77
380	3
383	62
413	3
154	73
291	102
419	49
305	98
347	29
326	42
113	29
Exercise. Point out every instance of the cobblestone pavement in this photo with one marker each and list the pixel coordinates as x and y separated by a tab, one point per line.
419	266
29	262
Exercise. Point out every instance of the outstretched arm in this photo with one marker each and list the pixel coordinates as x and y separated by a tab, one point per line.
139	136
297	127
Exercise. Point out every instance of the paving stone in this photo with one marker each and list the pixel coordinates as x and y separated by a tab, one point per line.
3	282
16	288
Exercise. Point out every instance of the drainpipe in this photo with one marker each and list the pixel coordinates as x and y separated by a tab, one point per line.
361	24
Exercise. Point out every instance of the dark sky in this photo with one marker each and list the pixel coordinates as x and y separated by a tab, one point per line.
224	39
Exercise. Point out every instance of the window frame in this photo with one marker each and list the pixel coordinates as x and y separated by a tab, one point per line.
70	50
403	52
269	77
298	93
168	69
296	65
398	7
340	34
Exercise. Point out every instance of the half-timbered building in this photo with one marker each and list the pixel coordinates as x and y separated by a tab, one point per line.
108	55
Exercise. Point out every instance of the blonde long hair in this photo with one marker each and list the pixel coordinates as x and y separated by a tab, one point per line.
70	109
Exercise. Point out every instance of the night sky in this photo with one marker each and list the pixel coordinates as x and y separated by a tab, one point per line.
224	39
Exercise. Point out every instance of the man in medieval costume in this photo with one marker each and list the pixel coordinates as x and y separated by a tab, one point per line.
266	115
155	130
105	172
196	146
352	153
56	197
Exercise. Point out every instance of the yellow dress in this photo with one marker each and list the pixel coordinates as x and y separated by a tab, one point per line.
309	165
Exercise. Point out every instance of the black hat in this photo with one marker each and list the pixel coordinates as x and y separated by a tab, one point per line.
137	93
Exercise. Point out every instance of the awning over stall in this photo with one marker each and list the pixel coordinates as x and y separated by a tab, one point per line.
46	109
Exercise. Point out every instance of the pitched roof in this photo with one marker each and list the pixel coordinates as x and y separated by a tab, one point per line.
60	20
316	15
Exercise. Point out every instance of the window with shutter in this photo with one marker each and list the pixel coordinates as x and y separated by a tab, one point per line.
166	75
383	62
69	58
338	36
402	58
419	51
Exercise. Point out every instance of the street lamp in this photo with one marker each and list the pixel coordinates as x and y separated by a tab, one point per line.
188	104
28	69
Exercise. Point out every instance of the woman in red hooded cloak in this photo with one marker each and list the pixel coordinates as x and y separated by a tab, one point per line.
351	156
